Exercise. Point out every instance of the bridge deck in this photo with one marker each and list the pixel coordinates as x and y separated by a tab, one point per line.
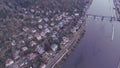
112	18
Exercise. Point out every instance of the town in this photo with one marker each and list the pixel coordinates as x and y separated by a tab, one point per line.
40	33
32	36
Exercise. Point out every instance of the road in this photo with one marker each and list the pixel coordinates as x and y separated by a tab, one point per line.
100	46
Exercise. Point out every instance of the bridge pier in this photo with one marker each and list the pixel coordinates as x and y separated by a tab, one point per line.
114	18
86	16
94	17
111	19
102	18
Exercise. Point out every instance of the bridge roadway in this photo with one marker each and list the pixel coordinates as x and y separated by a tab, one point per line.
112	18
52	62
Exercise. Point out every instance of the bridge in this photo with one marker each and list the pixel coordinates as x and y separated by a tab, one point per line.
111	18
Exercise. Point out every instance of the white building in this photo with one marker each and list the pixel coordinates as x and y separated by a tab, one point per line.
54	47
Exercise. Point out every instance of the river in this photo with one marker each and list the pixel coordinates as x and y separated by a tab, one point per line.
100	46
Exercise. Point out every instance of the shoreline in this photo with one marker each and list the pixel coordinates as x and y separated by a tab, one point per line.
76	37
116	10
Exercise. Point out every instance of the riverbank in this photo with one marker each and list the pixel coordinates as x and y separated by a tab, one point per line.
72	46
117	9
77	37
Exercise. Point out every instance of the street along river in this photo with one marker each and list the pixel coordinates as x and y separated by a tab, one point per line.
100	46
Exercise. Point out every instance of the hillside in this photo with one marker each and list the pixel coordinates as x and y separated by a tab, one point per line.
15	14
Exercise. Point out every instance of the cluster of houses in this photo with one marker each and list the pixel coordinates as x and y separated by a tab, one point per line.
43	34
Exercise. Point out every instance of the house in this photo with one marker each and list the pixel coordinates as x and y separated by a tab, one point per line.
9	62
32	10
51	28
52	24
38	36
64	14
76	14
40	26
24	48
40	49
47	30
69	17
33	43
32	16
15	65
46	19
45	57
55	32
52	53
58	18
42	65
54	47
43	34
31	56
54	36
33	30
57	27
65	40
21	62
40	20
25	29
30	37
21	42
77	27
61	24
46	25
13	43
79	22
74	29
16	54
